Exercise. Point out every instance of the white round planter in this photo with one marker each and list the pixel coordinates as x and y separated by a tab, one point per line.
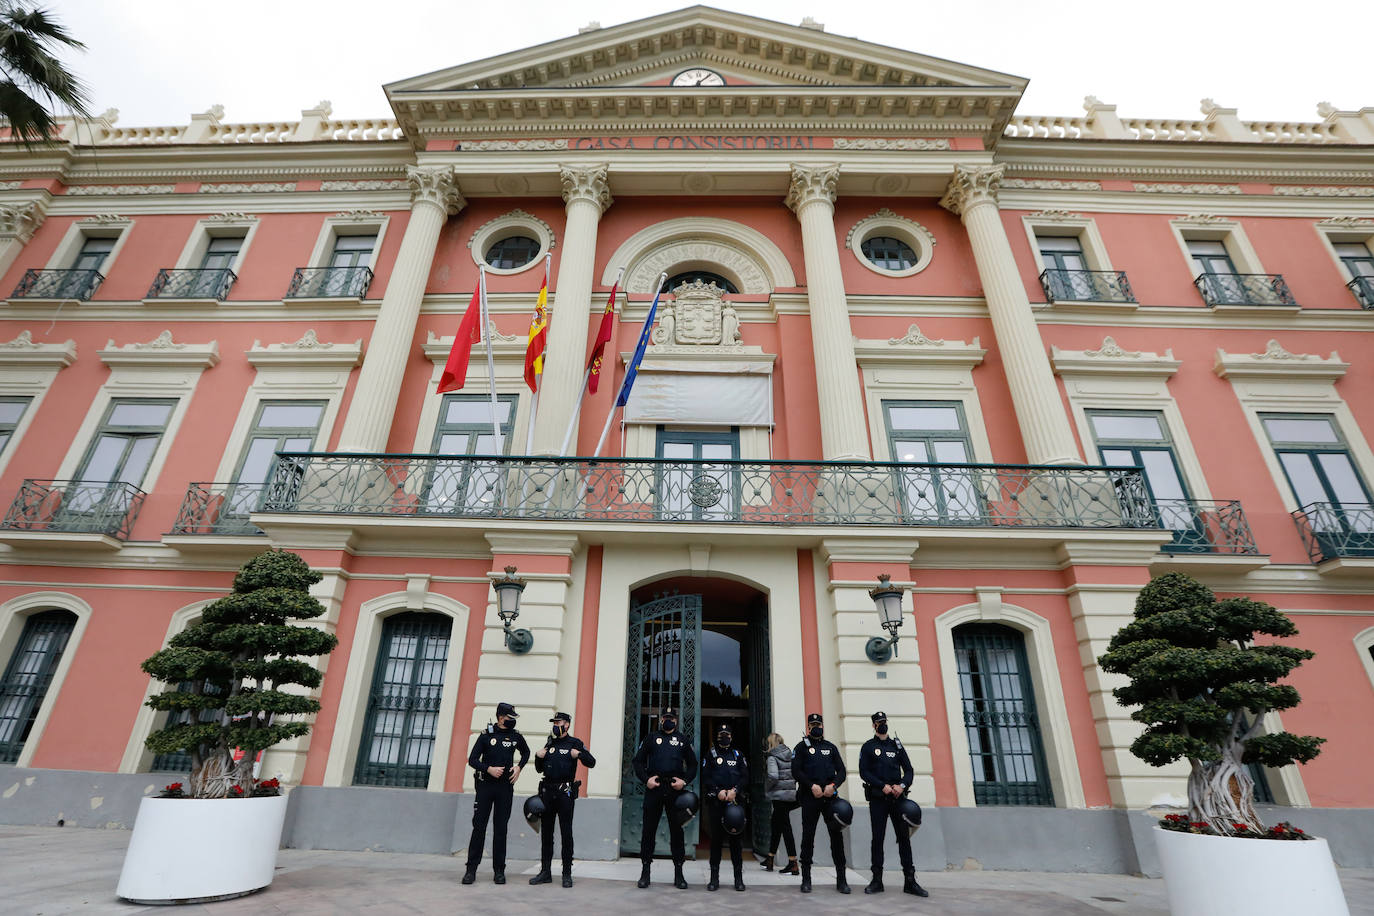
1208	875
190	850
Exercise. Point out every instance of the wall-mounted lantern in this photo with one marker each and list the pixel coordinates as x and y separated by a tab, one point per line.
887	601
508	589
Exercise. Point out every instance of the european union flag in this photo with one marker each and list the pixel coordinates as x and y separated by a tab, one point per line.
632	370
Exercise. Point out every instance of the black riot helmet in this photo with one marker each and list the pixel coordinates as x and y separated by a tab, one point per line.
534	811
732	819
839	812
685	807
910	813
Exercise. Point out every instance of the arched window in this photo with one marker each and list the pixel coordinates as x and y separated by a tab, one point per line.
888	252
27	677
703	276
1000	717
180	761
513	251
403	705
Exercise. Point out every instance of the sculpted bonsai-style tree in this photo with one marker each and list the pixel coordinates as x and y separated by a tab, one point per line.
1203	686
227	672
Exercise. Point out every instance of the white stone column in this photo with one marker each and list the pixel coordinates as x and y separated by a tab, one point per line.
844	432
587	194
17	225
434	195
1040	412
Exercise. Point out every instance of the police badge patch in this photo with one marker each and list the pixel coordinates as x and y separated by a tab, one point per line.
658	741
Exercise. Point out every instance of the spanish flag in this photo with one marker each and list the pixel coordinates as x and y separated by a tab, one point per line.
603	337
539	338
456	369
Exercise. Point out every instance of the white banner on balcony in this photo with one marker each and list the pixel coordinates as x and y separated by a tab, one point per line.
702	399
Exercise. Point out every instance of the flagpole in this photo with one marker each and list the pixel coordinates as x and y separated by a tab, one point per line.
605	430
586	380
534	401
491	360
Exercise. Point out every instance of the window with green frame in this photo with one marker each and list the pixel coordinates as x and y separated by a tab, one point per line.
1324	480
465	431
1140	438
402	715
28	675
694	482
933	435
278	426
11	412
121	451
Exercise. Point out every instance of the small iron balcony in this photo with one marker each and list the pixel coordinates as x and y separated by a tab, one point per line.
1332	530
1363	288
1244	289
720	492
80	506
58	284
329	283
192	284
219	508
1086	286
1206	527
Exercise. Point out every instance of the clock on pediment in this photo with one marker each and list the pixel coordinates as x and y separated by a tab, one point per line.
698	76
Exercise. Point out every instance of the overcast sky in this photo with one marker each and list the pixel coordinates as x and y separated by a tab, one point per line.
158	61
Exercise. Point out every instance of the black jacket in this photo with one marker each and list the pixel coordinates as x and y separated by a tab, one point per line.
884	762
723	769
496	747
817	762
665	756
559	765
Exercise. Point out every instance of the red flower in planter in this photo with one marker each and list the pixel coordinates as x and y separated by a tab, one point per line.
235	791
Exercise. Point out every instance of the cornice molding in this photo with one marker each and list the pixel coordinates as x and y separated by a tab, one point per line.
503	346
809	184
161	352
1279	364
916	349
1112	359
306	353
971	186
23	353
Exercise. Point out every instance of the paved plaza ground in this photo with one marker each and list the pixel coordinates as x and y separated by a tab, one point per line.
45	871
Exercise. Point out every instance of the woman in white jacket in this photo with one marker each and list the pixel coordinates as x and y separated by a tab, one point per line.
781	789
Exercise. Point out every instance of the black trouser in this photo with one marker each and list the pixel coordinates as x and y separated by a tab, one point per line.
714	807
491	793
656	802
559	804
881	809
811	812
781	828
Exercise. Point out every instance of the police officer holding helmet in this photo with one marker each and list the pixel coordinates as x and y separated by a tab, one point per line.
724	776
493	762
819	770
558	760
666	763
887	773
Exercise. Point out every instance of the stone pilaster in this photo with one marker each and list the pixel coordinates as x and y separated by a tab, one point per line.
587	195
844	433
434	195
1045	429
18	222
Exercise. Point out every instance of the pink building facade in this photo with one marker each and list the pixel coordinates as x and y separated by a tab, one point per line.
1019	364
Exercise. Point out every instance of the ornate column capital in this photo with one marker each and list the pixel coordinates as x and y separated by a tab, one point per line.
435	184
972	185
586	183
19	221
812	183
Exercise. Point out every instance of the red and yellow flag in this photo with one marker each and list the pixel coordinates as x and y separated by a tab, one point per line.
539	338
603	337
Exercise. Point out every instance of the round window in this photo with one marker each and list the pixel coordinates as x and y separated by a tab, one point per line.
888	253
512	252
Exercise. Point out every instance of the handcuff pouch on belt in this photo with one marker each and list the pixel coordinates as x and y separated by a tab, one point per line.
572	788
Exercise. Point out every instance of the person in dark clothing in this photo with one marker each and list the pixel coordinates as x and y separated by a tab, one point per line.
666	763
724	776
493	762
781	790
558	760
887	773
819	770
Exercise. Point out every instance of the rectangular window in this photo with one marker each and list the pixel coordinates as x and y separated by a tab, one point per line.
933	434
11	412
352	251
28	675
465	432
221	252
694	481
93	253
1141	439
1357	258
1061	253
1324	481
279	426
120	453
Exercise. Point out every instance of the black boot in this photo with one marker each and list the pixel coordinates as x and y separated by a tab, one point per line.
714	883
841	884
567	878
791	868
909	886
469	875
498	876
644	875
679	882
806	879
739	875
767	863
876	885
543	877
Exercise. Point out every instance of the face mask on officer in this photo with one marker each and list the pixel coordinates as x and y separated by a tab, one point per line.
881	727
816	731
669	724
723	739
560	729
507	722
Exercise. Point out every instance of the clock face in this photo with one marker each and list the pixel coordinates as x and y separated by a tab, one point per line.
698	76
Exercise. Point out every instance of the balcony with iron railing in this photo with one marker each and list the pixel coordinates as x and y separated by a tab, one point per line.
1363	289
1244	289
1086	286
329	283
1332	531
218	509
58	284
193	283
1206	527
74	507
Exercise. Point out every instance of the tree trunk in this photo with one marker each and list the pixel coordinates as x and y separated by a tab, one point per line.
1221	794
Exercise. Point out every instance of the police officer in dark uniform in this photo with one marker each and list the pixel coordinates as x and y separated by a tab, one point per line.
887	773
819	770
493	761
666	763
558	760
724	777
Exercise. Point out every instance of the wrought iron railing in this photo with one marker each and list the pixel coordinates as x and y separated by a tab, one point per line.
76	506
329	282
732	492
1244	289
1363	288
1202	526
219	508
58	284
198	283
1086	286
1332	530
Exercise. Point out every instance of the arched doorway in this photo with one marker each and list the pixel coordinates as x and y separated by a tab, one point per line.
700	644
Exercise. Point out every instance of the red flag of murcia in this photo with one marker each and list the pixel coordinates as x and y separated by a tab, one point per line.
455	373
603	337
